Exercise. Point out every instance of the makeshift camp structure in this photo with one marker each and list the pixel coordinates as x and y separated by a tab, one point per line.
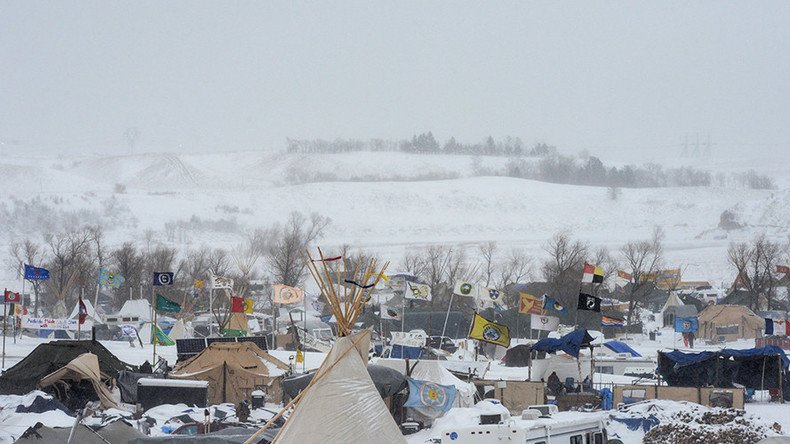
116	431
388	381
234	370
677	311
92	316
672	301
618	347
757	368
725	323
432	371
342	405
46	358
179	331
84	367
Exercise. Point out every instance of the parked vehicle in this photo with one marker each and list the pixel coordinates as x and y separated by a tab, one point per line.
442	343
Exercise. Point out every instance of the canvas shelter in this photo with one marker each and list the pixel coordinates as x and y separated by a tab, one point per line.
84	367
672	301
233	370
430	370
725	323
92	316
49	357
343	405
669	314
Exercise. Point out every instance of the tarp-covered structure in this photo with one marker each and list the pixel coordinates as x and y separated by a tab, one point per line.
517	356
430	370
757	368
342	406
621	347
388	381
728	323
234	370
84	367
46	358
570	343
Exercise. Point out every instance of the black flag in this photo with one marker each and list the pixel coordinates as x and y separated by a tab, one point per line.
589	302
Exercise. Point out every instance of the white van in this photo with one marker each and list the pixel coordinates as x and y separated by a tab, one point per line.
533	427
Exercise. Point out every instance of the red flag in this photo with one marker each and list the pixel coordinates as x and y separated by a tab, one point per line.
589	268
237	304
10	296
83	311
783	269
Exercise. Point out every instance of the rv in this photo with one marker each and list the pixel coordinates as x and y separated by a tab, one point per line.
534	426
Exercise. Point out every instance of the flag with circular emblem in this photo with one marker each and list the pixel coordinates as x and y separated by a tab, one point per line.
426	394
489	331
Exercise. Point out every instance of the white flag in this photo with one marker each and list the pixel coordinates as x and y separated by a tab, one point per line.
547	323
466	289
490	297
219	282
418	291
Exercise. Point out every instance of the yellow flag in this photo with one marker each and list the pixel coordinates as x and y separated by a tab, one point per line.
248	306
488	331
530	304
199	283
299	356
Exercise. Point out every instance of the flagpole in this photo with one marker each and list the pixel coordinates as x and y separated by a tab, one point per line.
153	329
446	317
79	312
95	299
5	316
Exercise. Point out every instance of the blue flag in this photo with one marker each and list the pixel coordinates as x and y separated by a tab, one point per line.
35	274
549	303
424	394
686	325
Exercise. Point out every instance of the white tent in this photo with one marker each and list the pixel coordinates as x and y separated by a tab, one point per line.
431	370
179	330
89	308
140	308
342	406
672	301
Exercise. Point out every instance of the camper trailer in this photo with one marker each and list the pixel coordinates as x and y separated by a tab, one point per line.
532	427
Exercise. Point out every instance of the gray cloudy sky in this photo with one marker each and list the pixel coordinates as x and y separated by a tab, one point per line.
606	76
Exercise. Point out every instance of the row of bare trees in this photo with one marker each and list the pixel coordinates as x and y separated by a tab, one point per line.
75	257
755	266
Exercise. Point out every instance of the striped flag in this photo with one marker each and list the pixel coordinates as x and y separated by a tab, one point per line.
607	321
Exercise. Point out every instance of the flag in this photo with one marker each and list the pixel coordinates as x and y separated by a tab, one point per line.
529	304
83	311
589	302
491	295
20	310
686	325
777	328
466	289
219	282
389	312
417	291
236	304
425	394
163	278
488	331
551	304
283	294
249	306
783	269
592	274
328	259
110	280
623	275
545	323
199	283
11	297
159	337
299	356
35	273
607	321
166	305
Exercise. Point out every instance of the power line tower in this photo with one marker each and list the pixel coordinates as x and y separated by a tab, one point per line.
132	134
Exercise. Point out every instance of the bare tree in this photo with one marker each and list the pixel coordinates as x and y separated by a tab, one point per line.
247	255
487	252
755	264
28	252
642	258
288	245
563	269
70	260
604	259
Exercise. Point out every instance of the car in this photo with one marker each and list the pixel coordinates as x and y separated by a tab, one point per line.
442	343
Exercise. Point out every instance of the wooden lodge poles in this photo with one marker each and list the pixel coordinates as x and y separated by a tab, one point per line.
347	294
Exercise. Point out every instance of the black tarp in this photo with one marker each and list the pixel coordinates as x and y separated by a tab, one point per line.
388	381
759	368
127	383
517	356
46	358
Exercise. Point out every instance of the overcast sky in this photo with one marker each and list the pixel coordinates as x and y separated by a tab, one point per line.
609	77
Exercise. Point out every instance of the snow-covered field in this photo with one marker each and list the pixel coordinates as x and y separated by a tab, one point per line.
376	204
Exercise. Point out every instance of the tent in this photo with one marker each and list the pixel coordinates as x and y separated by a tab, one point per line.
179	330
432	371
342	405
621	347
46	358
729	322
83	367
672	301
116	431
570	343
92	316
388	381
677	311
234	370
757	368
140	308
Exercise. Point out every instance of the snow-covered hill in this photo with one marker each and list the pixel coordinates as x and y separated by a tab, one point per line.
374	202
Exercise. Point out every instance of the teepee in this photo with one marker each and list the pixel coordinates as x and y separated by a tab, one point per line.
341	403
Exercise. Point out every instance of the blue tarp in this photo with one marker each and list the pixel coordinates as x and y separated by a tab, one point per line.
403	352
768	350
639	423
570	343
621	347
682	359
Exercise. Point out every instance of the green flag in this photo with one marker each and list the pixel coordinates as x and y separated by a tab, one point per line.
160	337
166	305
